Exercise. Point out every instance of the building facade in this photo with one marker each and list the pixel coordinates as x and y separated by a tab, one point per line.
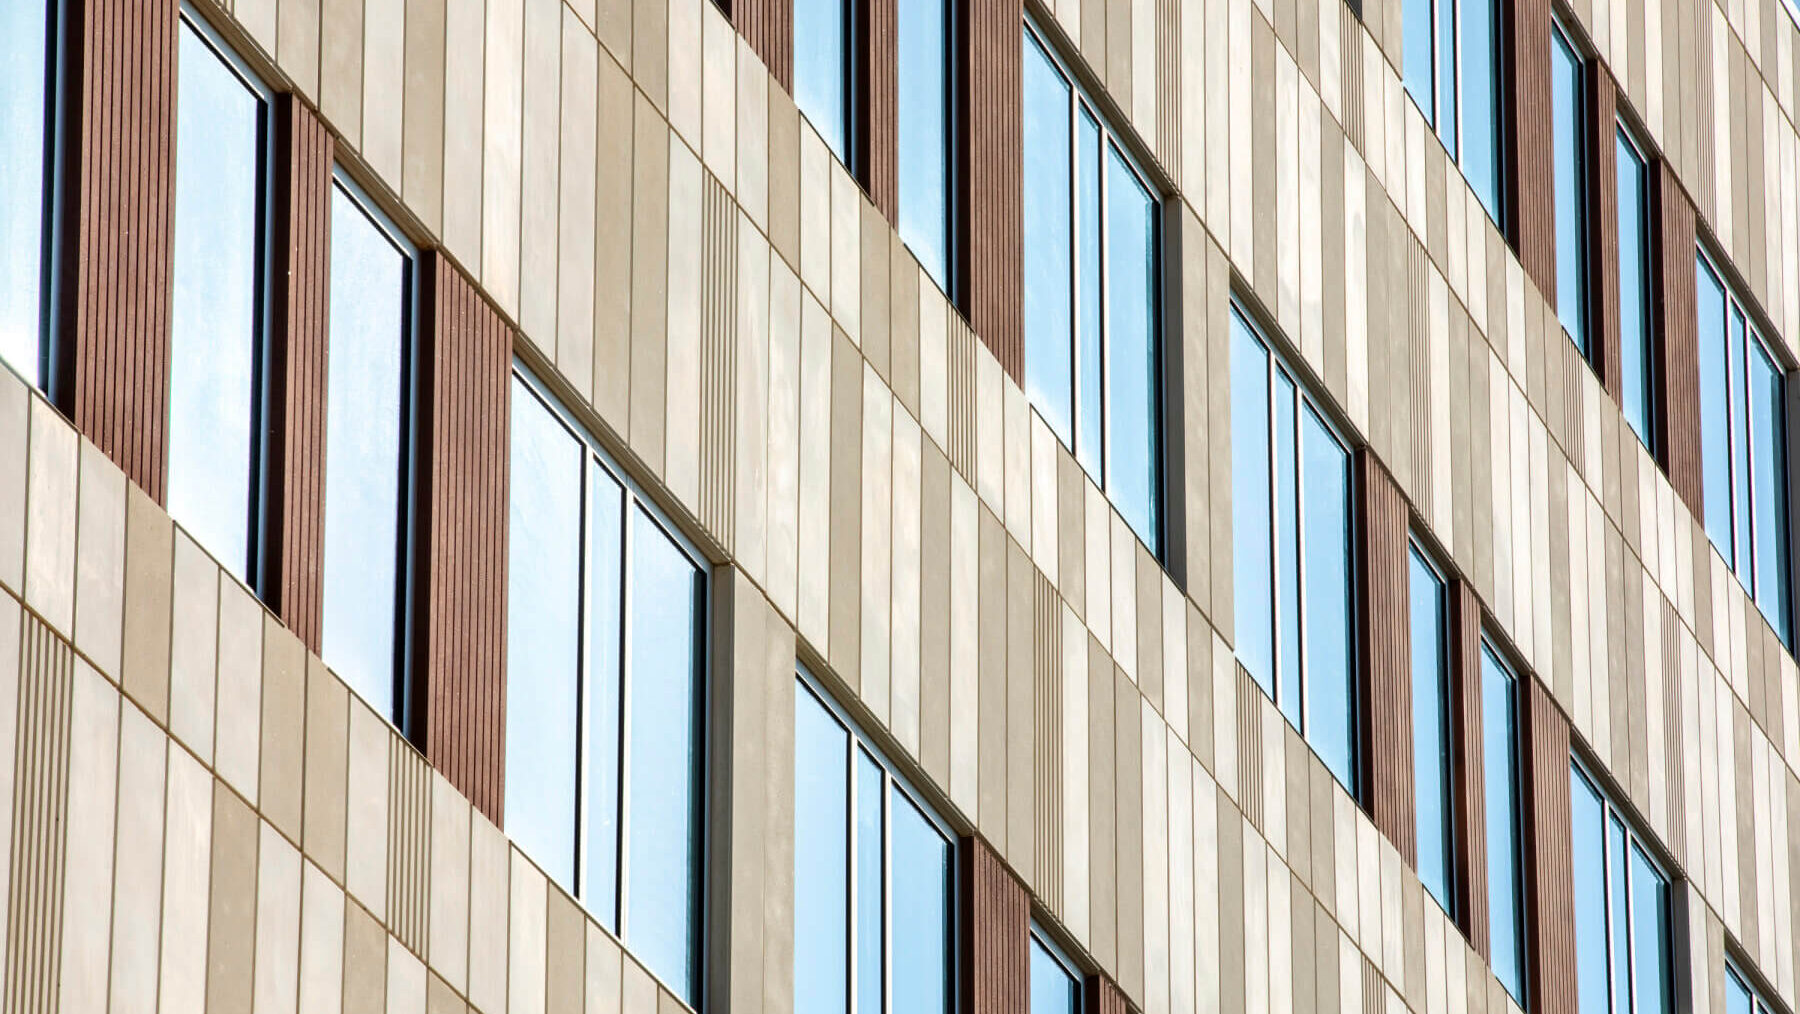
835	506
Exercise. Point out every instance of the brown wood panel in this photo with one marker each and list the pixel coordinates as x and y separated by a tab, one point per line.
1468	799
111	373
991	179
996	938
1676	362
1549	861
768	25
1603	228
1103	996
1531	185
301	278
459	678
879	72
1385	654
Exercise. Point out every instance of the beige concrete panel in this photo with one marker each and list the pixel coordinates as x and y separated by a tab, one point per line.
327	759
87	868
1264	266
1200	650
904	286
1311	238
277	986
784	174
1347	873
1021	710
638	995
609	302
366	844
719	84
465	45
934	365
321	943
194	652
751	132
845	603
489	872
1356	295
814	209
1225	708
1150	634
684	41
449	907
1174	657
1256	942
781	573
51	518
526	938
1098	568
1286	156
230	952
877	543
989	676
100	562
1297	806
405	980
384	86
908	549
1076	775
282	779
603	972
422	133
1237	60
1017	422
239	734
814	507
1181	891
682	340
845	251
1271	748
650	213
297	43
649	61
15	421
1129	815
187	844
965	655
1207	902
877	244
751	424
1155	855
1122	564
341	66
1103	766
565	957
503	116
1220	154
1190	71
576	270
1045	533
934	613
1071	510
365	963
138	869
1231	829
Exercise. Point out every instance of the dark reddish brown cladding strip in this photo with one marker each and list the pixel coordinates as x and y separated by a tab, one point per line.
1386	655
1676	366
297	367
1103	996
1603	227
996	937
1549	863
1468	800
879	72
459	677
768	25
111	373
1531	190
991	177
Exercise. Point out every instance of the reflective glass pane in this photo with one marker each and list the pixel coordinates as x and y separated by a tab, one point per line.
1447	75
1501	770
1286	463
664	758
1588	841
365	459
921	899
25	117
1048	238
924	65
543	635
605	691
1131	370
822	70
1735	352
1737	995
1715	411
871	906
1620	915
1567	101
216	315
1650	935
1481	112
1053	989
821	859
1330	672
1416	40
1431	728
1251	528
1090	447
1634	288
1768	431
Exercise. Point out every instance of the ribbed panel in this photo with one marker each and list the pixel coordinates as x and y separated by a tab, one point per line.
1250	747
992	179
718	362
880	71
1549	863
1468	801
1386	651
1603	228
112	373
1350	77
996	939
409	847
768	25
1530	124
1104	997
1677	361
302	306
1169	90
40	804
1047	763
962	397
460	590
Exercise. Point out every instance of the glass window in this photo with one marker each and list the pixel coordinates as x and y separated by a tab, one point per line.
1055	984
926	82
1500	769
1622	928
822	69
873	876
1428	601
367	452
1743	427
1092	352
1634	287
215	369
591	563
1741	997
1568	99
28	33
1452	58
1291	516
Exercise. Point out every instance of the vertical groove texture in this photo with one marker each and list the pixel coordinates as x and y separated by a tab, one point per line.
40	805
1603	229
118	226
460	589
409	847
1350	75
718	365
997	938
1549	861
879	67
297	365
1104	997
1250	700
992	156
1047	700
1676	358
1531	196
1386	651
768	25
962	383
1468	801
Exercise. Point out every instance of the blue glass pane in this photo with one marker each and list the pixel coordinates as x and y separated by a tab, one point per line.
1620	915
216	314
1090	448
1286	462
1650	936
871	906
1634	288
821	859
1053	989
1735	352
365	462
664	756
1737	996
1500	767
543	635
822	70
921	899
24	135
1431	728
1768	431
1048	237
1131	365
1329	666
1447	74
1568	129
924	133
1416	49
1715	411
1251	521
1481	125
605	691
1587	813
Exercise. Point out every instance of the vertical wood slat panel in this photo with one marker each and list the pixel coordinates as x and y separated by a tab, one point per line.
297	365
111	371
1103	996
1676	356
991	178
1603	229
878	66
1549	860
996	939
33	957
719	364
768	25
1468	800
1386	656
459	674
1531	193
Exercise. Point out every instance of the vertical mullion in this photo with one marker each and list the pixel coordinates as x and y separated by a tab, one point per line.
1075	335
853	980
1270	372
887	892
627	515
583	654
1100	244
1300	408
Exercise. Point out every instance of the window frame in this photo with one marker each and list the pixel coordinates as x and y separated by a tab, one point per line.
1635	842
1453	831
1040	937
854	77
1748	984
1627	133
893	780
1561	34
1434	116
595	453
54	120
1516	788
956	83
